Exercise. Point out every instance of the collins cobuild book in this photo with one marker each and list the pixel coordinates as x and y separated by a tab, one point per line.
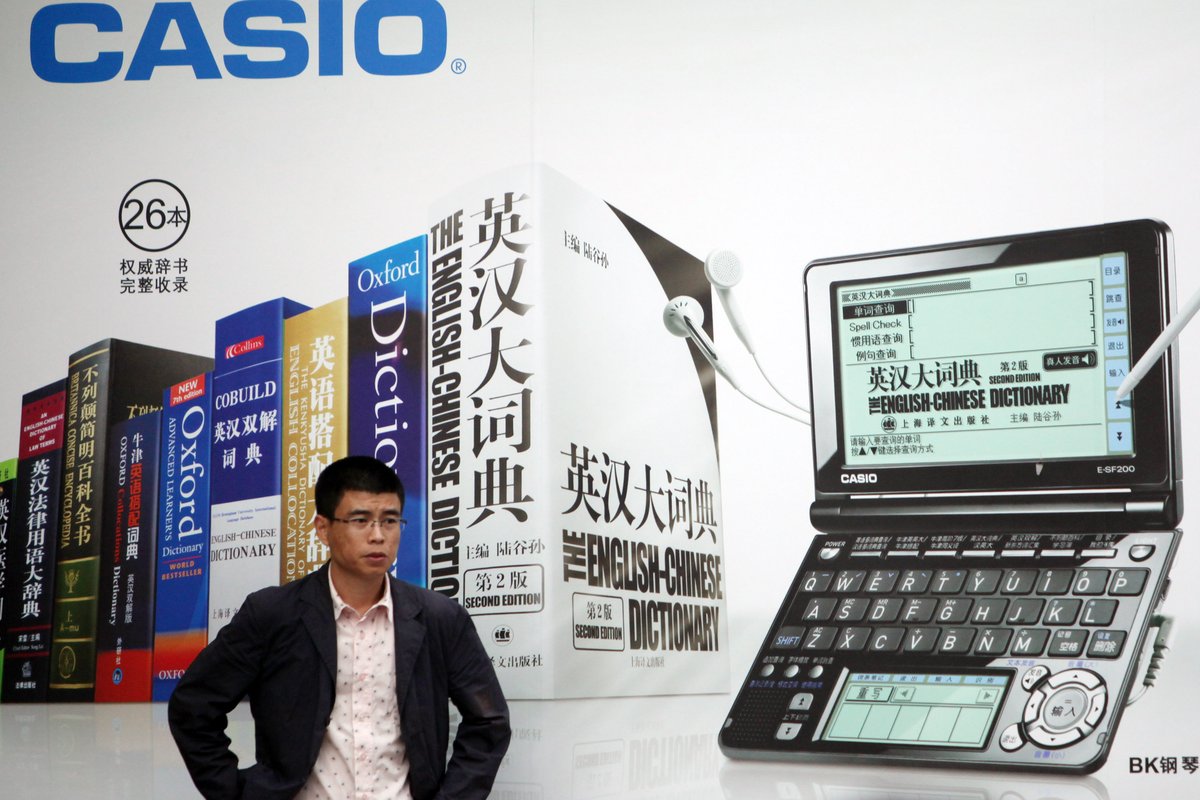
246	456
575	503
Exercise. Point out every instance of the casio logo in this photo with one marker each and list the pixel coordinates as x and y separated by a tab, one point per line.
860	477
274	39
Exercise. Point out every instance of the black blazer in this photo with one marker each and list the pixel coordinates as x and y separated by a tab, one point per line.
280	650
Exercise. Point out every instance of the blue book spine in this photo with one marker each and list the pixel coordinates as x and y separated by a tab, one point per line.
245	539
181	611
128	559
388	409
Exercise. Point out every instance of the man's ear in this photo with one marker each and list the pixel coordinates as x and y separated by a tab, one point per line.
321	526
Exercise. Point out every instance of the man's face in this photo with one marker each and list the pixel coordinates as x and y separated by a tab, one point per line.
363	534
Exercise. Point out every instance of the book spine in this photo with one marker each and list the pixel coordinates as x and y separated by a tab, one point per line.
77	573
388	405
8	504
181	607
30	589
247	458
109	381
125	626
315	364
578	526
488	548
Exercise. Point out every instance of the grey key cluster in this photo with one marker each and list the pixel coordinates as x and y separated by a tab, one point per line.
985	611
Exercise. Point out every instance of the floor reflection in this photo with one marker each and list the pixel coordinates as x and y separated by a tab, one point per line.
660	748
663	747
759	781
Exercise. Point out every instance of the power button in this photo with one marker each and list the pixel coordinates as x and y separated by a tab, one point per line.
1141	552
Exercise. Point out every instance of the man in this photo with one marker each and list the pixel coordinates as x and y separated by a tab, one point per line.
348	672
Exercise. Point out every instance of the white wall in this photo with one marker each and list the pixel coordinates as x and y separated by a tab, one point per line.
786	131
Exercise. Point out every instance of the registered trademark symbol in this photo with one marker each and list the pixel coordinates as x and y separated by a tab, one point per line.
458	66
154	215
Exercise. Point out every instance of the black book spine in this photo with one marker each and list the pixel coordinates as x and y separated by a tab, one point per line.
108	382
29	589
73	648
125	631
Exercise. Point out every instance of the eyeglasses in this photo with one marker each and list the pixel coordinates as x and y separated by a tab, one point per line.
363	524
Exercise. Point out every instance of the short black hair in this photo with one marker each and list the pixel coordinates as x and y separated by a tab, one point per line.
355	474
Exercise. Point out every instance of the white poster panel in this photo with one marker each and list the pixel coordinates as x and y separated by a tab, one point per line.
786	131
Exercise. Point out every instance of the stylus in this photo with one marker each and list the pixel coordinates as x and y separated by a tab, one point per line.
1164	340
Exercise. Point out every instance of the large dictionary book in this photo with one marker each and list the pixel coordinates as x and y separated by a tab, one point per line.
314	430
128	563
106	382
388	419
575	506
8	503
33	538
247	457
181	595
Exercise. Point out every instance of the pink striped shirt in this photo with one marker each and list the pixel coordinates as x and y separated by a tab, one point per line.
362	755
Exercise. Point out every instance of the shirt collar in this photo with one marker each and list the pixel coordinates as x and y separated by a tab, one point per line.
340	605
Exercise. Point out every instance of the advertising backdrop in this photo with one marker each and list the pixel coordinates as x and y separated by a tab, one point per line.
167	164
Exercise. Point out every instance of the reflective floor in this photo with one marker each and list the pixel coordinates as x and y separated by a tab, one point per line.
661	748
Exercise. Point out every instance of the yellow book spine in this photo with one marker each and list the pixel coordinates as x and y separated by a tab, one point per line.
315	355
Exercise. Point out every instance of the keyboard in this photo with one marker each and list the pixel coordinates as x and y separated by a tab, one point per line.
985	649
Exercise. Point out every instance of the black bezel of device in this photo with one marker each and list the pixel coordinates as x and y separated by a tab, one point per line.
762	702
1118	492
867	745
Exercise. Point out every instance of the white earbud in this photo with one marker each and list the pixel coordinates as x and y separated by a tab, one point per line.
724	271
684	317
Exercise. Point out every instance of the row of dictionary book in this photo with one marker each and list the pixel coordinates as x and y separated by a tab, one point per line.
154	489
557	447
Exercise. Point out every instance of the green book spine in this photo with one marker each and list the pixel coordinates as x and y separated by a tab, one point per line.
8	505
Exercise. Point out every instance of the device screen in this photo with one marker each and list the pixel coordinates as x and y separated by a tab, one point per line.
1020	363
927	709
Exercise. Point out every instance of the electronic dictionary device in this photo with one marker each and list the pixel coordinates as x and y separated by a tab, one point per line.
996	528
